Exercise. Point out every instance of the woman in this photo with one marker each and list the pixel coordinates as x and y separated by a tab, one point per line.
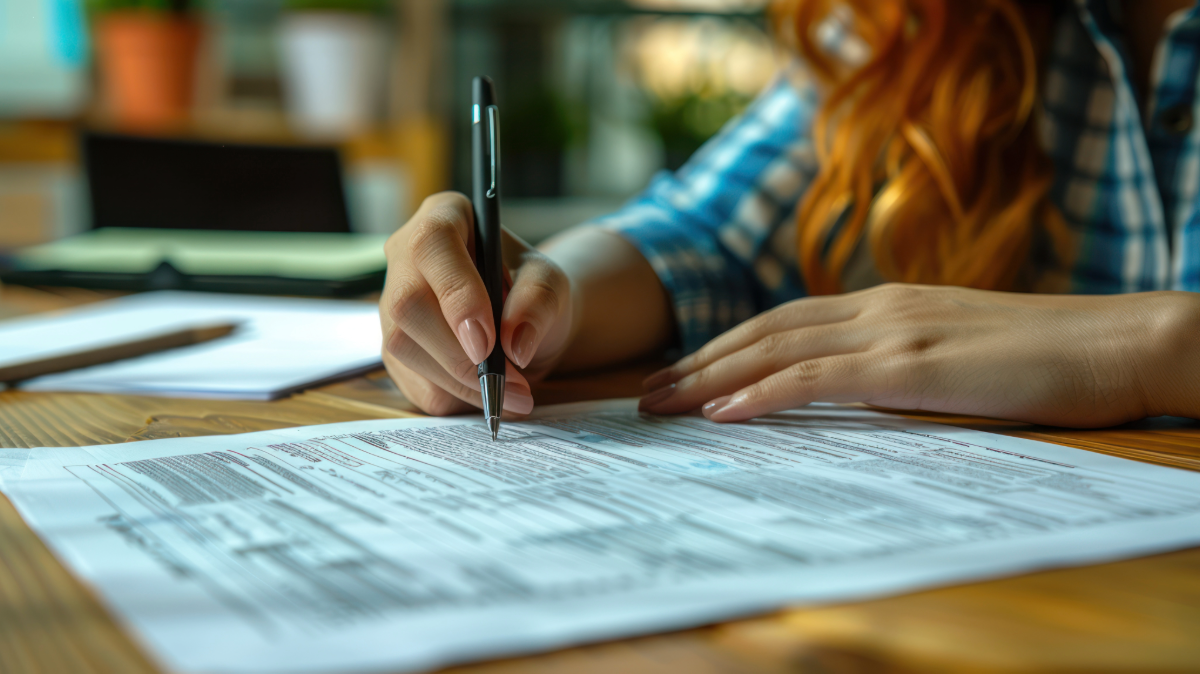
904	152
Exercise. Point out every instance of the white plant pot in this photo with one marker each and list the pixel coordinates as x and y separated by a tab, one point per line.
333	71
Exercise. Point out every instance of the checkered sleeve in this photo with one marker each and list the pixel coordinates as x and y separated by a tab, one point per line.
710	229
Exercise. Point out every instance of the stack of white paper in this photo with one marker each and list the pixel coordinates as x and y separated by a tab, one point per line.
280	346
408	544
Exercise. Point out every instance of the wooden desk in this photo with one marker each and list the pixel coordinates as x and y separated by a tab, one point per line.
1141	615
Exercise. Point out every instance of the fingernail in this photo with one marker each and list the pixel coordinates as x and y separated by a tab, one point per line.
714	405
659	379
656	398
523	339
518	400
473	339
727	409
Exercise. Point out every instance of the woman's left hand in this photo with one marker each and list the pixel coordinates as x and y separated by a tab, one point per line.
1083	361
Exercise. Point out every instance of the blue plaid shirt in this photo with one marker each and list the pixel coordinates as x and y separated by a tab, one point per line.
720	232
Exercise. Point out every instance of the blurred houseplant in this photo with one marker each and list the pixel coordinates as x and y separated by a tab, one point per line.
147	52
334	58
685	122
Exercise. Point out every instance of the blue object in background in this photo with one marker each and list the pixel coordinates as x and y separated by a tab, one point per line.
68	32
43	57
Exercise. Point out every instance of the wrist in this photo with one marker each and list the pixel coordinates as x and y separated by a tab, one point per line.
1169	375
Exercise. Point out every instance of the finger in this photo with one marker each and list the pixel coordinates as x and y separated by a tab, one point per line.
534	304
756	362
413	309
409	352
421	392
428	397
844	378
440	250
417	337
807	312
515	384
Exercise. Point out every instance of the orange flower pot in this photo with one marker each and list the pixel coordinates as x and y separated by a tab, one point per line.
148	66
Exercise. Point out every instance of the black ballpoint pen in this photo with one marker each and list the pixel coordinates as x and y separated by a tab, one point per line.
485	174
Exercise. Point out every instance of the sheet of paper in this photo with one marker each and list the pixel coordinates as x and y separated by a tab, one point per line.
281	345
12	462
408	544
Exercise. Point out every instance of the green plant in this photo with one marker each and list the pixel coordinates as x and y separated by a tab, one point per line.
685	123
335	5
165	6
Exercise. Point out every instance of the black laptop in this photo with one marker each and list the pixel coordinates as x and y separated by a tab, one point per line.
196	215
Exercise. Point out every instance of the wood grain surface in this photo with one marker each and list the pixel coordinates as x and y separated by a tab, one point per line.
1140	615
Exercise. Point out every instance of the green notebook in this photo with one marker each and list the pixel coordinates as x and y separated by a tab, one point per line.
142	259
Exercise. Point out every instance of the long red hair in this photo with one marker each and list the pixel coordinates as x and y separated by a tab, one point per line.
929	143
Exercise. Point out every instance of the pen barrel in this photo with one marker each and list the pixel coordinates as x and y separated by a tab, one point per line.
485	160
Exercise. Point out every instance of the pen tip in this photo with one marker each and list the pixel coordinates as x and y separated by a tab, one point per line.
494	424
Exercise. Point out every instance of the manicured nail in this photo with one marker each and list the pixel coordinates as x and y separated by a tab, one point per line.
517	398
659	379
730	410
656	398
524	340
473	339
714	405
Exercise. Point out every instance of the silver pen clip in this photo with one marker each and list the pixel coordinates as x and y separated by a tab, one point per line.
493	116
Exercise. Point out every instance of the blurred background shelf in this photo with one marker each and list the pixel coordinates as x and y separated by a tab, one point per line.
597	95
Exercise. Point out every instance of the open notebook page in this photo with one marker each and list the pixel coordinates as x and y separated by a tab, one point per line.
280	346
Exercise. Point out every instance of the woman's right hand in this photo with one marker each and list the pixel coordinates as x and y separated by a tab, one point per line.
437	319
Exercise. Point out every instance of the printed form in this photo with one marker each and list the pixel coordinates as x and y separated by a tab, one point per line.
409	544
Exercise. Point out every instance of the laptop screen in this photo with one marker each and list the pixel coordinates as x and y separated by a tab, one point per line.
186	184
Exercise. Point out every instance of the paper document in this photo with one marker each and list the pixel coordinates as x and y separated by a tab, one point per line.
409	544
281	345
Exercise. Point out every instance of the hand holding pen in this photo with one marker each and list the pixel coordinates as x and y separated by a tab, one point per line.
437	314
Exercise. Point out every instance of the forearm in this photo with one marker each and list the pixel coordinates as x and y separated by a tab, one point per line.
1171	383
620	309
